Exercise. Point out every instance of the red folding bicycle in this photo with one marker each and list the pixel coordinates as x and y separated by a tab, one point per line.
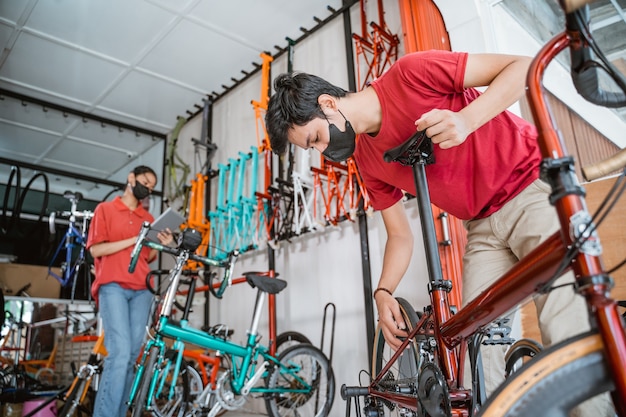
424	376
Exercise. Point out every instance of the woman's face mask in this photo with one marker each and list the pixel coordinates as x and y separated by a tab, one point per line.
342	144
140	191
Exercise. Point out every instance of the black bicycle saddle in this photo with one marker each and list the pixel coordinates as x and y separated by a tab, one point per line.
417	148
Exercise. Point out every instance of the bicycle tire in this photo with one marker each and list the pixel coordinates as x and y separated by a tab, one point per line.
287	339
44	204
138	404
81	270
406	368
523	349
163	406
72	400
315	369
555	381
5	225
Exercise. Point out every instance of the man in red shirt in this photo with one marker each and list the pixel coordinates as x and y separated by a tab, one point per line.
123	298
486	171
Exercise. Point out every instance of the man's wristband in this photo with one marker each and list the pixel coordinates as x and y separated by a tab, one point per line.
381	289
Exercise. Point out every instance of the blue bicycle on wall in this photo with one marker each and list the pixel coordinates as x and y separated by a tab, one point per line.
75	265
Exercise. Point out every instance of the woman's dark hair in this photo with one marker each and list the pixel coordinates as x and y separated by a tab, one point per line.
142	169
295	103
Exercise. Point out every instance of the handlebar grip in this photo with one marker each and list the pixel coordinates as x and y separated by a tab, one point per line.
585	70
602	168
349	392
134	256
587	84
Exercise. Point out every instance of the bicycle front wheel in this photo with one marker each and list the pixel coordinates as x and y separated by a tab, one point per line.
73	398
139	402
173	397
404	372
303	386
555	381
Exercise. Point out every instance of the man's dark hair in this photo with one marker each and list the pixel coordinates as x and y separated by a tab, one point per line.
295	103
142	169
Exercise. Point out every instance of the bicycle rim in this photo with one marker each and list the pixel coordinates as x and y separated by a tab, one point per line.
405	370
312	369
555	381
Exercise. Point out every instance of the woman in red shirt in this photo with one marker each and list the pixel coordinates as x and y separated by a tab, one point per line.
122	297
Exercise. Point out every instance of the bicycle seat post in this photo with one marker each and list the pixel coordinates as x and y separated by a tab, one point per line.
417	152
256	317
265	285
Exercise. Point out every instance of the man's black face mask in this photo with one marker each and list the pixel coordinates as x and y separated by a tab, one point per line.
342	144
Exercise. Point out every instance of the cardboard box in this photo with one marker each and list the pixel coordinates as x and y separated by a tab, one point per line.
13	277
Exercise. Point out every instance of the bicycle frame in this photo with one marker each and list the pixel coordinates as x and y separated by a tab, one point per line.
247	368
530	275
73	238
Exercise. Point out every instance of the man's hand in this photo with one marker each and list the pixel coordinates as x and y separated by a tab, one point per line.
390	319
444	127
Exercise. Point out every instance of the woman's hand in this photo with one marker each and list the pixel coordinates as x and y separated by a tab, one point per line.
390	319
165	237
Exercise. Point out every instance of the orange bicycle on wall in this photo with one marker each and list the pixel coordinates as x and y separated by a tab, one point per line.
424	376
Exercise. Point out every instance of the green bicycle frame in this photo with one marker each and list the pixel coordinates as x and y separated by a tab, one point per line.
246	369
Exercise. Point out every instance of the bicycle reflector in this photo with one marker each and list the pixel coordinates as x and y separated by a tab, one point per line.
190	239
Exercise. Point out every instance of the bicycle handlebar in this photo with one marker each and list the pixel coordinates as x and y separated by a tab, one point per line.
141	241
584	69
85	214
52	218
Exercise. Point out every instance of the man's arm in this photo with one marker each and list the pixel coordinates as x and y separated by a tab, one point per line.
505	78
398	251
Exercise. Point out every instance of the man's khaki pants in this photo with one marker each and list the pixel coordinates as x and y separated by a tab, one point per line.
497	242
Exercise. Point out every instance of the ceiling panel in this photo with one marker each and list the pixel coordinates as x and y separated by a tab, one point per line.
148	101
141	63
25	143
119	29
46	66
191	45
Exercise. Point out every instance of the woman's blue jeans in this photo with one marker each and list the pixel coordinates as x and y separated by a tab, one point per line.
124	316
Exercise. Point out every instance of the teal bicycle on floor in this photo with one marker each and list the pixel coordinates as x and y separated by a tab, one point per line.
299	381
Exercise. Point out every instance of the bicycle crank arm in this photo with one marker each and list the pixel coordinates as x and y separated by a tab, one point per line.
257	375
216	409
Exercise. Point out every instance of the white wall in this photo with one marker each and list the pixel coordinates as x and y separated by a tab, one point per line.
325	267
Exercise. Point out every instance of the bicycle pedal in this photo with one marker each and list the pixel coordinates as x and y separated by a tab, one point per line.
499	333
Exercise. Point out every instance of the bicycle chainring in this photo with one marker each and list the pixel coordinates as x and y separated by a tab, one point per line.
225	396
432	391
